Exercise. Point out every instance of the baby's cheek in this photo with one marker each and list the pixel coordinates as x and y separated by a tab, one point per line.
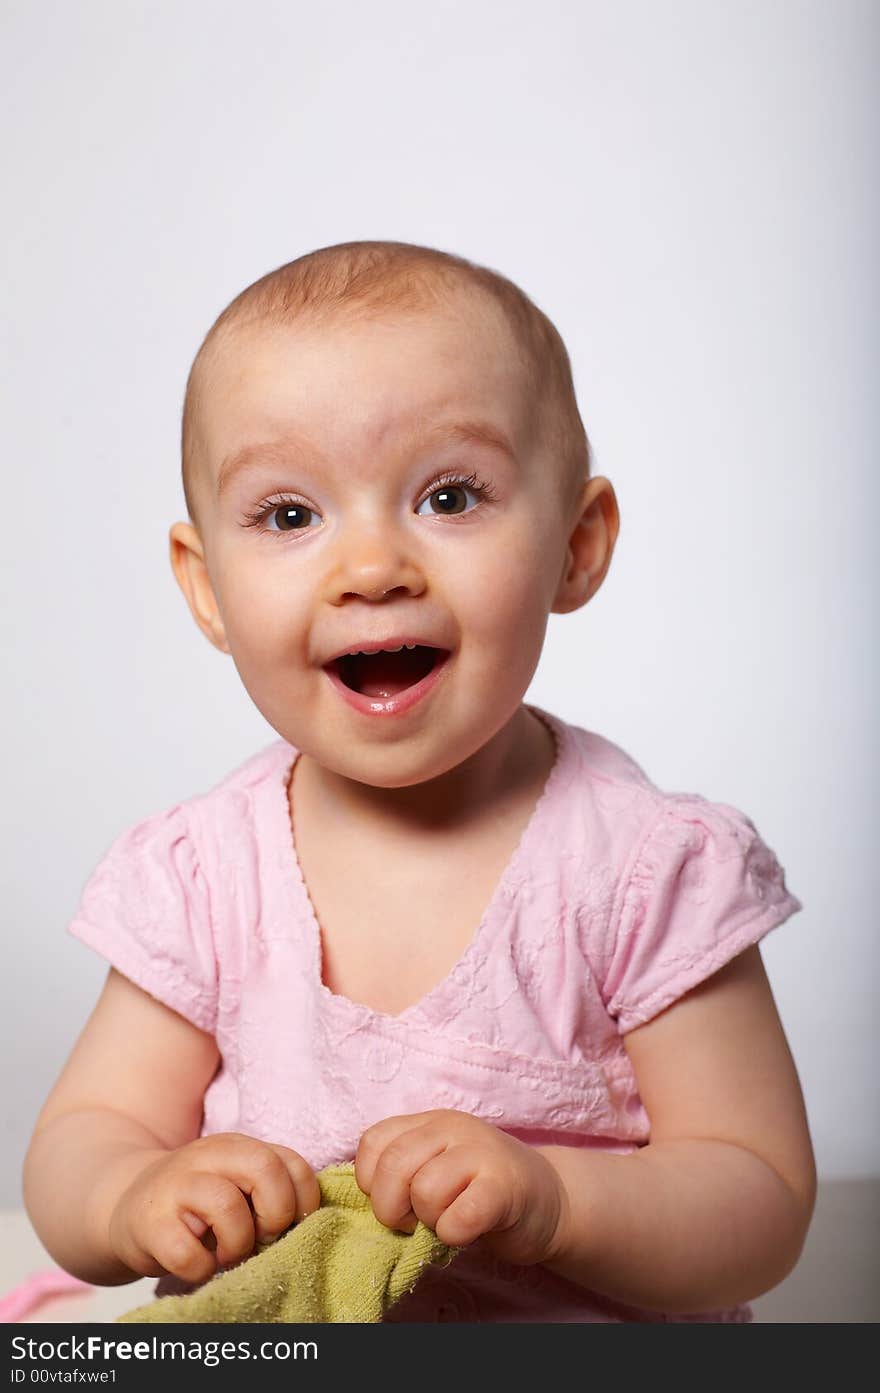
511	595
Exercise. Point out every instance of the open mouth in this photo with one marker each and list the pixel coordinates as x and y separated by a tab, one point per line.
386	674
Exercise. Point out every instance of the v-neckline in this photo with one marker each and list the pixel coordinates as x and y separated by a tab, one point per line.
307	916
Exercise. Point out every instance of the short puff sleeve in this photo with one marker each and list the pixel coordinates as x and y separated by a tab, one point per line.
146	909
703	887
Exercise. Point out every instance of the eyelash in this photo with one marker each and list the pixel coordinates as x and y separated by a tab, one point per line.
472	481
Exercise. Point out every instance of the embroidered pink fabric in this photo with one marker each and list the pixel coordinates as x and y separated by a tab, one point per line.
618	899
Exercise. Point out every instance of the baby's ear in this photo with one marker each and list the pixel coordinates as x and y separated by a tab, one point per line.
590	546
191	572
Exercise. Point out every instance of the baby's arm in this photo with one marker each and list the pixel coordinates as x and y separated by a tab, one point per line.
118	1183
714	1211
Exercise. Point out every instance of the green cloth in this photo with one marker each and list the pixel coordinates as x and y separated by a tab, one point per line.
339	1264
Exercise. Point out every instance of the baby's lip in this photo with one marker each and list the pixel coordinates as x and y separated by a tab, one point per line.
388	645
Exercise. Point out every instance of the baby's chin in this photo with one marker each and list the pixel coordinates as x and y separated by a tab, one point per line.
394	766
443	741
423	757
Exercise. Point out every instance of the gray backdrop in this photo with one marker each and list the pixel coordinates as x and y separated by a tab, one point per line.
688	189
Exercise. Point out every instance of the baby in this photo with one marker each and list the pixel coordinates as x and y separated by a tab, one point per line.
431	928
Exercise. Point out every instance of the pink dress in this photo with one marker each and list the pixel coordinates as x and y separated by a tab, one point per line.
618	899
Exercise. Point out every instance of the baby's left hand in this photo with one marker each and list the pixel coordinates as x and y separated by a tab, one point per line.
463	1178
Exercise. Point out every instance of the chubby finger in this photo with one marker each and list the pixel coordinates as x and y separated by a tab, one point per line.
194	1223
439	1182
480	1207
224	1209
377	1137
279	1183
393	1172
173	1241
306	1190
177	1250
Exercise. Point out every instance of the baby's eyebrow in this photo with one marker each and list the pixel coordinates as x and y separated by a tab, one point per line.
278	451
260	452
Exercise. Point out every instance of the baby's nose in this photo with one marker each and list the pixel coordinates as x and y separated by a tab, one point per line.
374	564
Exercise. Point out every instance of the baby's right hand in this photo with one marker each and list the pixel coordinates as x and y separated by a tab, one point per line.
158	1222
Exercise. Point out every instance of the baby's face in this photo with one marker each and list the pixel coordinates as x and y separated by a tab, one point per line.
371	485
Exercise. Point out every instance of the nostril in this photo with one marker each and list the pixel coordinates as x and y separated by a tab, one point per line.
375	593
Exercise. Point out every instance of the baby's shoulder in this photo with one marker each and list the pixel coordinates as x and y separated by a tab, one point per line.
166	902
237	807
215	824
612	798
666	887
267	766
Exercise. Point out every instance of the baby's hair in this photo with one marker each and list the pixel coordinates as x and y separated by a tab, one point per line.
356	279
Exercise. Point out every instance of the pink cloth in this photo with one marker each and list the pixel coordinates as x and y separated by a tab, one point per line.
618	899
36	1289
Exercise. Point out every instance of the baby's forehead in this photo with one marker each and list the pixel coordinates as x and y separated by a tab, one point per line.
464	354
461	315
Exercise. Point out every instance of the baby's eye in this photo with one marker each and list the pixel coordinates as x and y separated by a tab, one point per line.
293	517
288	516
451	498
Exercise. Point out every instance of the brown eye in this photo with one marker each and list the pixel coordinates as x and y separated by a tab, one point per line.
292	517
449	500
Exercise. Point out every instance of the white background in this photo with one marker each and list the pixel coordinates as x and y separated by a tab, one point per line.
689	191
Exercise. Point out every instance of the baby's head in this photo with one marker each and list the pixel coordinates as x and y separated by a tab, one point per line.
381	446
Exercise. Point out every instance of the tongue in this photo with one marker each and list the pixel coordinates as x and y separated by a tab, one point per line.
386	674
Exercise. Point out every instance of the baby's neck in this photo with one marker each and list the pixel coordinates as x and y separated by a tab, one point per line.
512	766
